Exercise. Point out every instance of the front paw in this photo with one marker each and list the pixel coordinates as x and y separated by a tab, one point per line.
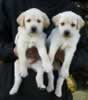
13	91
58	93
50	88
41	86
23	73
40	83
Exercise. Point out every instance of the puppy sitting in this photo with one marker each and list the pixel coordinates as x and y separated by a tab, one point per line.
65	37
30	34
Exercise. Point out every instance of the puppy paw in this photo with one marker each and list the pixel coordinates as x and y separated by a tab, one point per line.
40	83
13	91
58	93
41	86
50	88
24	73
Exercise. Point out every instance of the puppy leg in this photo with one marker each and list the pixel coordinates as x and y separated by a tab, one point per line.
23	68
44	57
39	80
23	65
21	50
53	49
64	72
58	90
50	86
17	79
39	77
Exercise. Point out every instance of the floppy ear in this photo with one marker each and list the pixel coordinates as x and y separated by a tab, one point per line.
20	20
56	19
46	20
80	22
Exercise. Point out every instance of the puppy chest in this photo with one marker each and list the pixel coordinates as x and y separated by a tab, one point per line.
66	44
32	42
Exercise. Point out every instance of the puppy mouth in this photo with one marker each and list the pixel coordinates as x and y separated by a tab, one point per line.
33	32
67	36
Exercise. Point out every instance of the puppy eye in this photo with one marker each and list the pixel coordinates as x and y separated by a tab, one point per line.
62	23
38	20
73	25
28	20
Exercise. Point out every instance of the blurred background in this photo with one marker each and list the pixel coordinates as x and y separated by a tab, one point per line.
83	8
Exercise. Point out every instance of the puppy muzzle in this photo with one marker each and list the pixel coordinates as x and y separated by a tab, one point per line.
67	34
34	30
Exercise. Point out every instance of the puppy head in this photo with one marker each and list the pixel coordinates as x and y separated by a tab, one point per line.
68	22
33	20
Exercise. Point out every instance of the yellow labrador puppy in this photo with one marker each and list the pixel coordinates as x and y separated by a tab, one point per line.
65	37
30	34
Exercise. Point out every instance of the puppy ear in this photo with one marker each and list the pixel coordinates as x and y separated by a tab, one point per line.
46	20
56	19
20	20
80	22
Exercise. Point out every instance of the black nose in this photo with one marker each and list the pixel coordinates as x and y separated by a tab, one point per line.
33	29
66	33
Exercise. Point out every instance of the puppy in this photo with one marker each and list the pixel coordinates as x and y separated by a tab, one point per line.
30	34
65	37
